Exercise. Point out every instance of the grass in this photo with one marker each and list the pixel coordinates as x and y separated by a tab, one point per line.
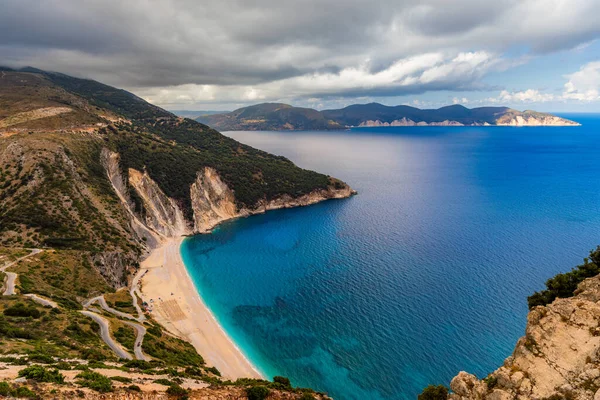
121	300
171	350
124	334
56	333
66	276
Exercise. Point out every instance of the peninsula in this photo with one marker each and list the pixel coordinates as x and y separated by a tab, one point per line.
277	116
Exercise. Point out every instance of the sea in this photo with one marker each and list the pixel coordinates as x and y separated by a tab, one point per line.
424	273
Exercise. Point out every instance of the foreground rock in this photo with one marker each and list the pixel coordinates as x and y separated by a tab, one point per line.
558	358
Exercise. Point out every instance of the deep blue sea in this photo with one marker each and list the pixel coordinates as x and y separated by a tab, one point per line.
424	273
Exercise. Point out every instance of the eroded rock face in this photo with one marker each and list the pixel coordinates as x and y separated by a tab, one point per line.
212	201
162	214
110	161
531	120
559	354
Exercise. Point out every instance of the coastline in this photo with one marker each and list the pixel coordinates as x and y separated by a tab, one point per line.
177	305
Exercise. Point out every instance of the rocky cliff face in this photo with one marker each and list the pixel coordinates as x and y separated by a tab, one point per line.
162	214
558	358
212	202
528	119
409	122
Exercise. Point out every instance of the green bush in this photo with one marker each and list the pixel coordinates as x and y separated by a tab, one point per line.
257	392
307	396
41	358
41	374
5	389
163	381
214	370
138	364
564	285
94	381
121	379
24	392
432	392
285	382
176	390
22	310
134	388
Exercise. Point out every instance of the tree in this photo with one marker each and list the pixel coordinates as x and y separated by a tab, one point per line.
432	392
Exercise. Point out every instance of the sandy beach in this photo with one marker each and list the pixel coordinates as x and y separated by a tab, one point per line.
176	304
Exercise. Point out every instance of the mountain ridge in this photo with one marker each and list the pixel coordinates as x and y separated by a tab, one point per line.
269	116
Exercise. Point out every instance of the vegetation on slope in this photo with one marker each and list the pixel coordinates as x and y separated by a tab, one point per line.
565	285
55	194
270	117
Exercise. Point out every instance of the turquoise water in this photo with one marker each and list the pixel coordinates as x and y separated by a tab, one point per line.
423	274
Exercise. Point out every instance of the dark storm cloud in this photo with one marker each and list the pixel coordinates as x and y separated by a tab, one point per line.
241	43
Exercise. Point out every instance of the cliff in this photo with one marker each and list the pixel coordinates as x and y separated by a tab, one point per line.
558	358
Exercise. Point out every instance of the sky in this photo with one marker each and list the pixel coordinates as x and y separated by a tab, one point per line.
225	54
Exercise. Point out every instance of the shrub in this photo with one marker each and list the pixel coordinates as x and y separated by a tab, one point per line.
22	310
5	389
122	379
564	285
41	374
307	396
214	370
193	371
163	381
138	364
134	388
95	381
285	382
24	392
176	390
41	358
257	392
432	392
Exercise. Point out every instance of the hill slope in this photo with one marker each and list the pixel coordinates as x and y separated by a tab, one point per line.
284	117
96	177
268	117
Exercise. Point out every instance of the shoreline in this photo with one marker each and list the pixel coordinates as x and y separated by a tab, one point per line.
177	305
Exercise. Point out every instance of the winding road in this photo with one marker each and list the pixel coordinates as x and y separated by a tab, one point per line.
105	334
140	330
139	338
11	277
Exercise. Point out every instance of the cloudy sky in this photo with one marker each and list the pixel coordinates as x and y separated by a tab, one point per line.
223	54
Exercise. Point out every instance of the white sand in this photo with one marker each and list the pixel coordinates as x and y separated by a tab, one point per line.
176	304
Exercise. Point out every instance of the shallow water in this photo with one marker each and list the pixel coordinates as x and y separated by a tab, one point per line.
423	274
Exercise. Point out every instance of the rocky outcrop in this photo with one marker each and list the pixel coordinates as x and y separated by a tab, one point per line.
529	118
162	214
408	122
212	201
558	358
110	162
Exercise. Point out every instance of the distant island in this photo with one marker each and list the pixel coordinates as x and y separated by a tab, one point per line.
279	116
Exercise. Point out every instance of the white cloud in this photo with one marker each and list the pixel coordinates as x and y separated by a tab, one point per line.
430	71
526	96
584	85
